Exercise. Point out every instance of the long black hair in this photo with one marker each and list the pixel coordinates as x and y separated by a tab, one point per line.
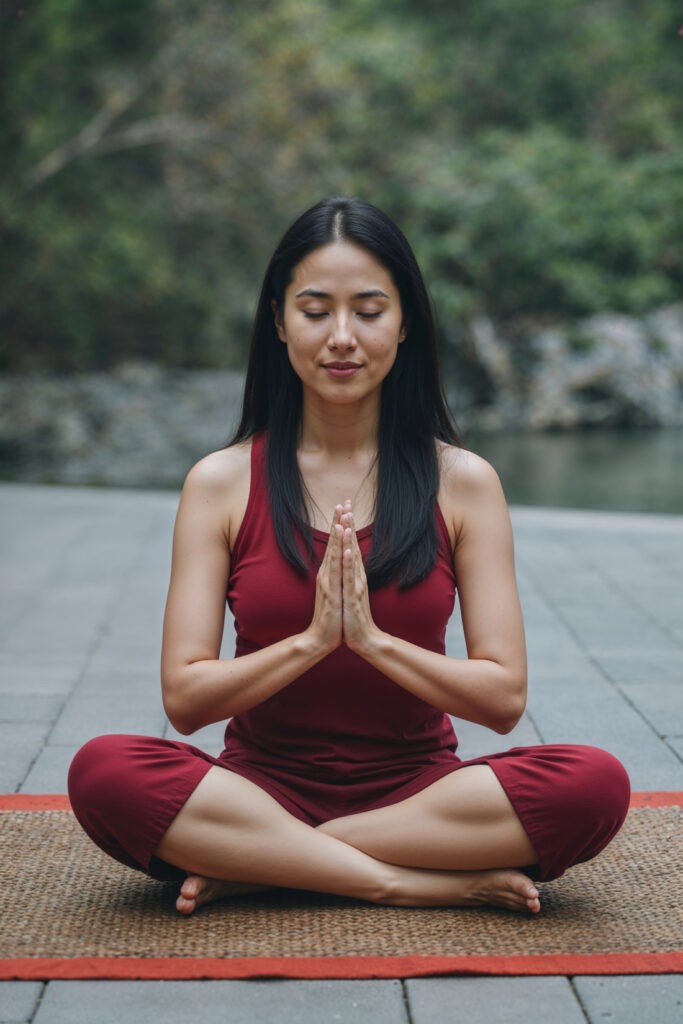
413	410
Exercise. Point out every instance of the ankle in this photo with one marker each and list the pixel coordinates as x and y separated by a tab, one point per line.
388	888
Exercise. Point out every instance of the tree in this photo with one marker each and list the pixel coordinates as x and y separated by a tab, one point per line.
532	152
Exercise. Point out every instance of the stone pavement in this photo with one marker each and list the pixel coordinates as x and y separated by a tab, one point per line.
84	574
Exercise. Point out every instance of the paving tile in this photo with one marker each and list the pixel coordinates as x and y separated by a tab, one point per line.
38	675
49	771
492	1001
676	744
589	710
63	622
96	714
223	1002
133	683
18	1001
660	702
634	663
34	707
126	701
20	745
129	655
632	999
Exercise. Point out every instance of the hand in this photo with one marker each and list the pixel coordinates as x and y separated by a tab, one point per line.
326	625
358	626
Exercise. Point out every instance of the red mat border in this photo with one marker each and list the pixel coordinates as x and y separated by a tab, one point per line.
183	968
341	967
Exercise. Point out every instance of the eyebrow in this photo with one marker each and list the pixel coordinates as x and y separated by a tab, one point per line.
371	293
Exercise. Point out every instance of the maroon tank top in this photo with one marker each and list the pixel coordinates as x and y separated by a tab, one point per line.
343	718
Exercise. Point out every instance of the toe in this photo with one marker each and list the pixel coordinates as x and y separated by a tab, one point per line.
185	906
190	887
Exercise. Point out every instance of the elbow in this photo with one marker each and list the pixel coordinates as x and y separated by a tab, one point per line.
510	711
505	725
184	726
177	708
179	719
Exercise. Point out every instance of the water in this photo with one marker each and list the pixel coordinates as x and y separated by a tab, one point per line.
635	471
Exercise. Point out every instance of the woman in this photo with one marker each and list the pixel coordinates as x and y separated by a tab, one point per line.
338	522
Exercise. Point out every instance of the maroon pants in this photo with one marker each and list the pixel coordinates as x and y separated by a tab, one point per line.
126	791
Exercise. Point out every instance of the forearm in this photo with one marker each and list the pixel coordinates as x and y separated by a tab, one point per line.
212	690
479	690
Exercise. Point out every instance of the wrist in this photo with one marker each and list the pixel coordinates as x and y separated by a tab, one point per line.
312	646
373	645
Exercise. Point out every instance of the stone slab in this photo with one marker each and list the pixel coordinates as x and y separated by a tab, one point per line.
576	712
676	744
49	771
18	1001
86	716
492	1001
633	662
660	702
220	1002
37	675
20	745
632	999
35	707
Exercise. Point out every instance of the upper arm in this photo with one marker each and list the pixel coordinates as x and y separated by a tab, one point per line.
484	561
195	607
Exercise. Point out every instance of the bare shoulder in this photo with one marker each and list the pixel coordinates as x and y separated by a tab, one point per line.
469	488
218	487
465	474
216	474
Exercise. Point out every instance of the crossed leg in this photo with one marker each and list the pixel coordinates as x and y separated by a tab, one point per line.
454	844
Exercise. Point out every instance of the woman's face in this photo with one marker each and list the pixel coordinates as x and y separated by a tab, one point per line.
342	322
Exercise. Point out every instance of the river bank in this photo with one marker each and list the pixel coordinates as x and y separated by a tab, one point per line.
143	427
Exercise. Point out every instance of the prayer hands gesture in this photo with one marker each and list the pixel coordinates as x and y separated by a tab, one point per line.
342	605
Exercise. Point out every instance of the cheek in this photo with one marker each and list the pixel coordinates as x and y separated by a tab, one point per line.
300	350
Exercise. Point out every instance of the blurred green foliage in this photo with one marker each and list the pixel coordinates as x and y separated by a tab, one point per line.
153	154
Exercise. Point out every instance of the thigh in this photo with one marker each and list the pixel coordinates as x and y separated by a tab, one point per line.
568	800
571	798
126	790
463	821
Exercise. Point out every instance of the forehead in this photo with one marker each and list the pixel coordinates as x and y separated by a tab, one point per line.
341	266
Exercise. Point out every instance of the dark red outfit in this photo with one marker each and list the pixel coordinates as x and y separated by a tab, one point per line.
342	738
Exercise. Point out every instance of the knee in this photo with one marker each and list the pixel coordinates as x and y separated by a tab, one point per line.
606	785
601	798
92	770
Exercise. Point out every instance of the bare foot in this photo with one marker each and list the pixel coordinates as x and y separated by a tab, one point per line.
197	890
500	888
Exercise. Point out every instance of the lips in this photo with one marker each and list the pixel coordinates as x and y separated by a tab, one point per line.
340	369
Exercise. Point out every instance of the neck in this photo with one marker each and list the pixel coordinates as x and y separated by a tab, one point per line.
340	430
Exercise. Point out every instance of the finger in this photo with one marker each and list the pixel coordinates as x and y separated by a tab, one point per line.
336	520
348	522
333	551
355	580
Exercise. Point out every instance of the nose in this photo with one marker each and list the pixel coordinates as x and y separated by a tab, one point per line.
341	335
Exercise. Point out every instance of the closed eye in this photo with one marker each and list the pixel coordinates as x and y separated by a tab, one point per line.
310	315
